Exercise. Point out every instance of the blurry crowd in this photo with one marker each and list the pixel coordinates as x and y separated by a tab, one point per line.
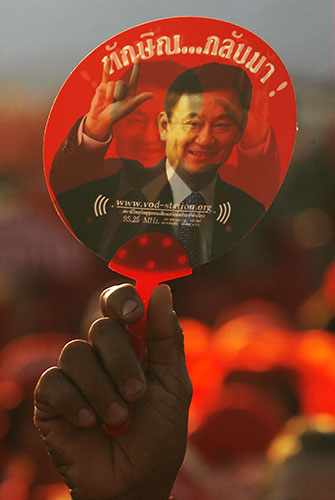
258	323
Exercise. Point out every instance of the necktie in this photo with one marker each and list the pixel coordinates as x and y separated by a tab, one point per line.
189	235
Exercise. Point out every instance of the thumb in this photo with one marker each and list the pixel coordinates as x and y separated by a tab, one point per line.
165	341
132	103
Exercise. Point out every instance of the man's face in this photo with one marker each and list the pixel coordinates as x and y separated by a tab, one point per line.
202	131
136	136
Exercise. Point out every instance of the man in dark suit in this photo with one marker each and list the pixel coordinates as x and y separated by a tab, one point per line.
205	114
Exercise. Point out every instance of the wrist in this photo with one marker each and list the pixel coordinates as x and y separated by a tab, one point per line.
139	496
153	495
95	131
253	141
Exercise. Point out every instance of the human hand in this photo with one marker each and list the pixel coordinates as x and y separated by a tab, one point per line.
112	101
93	383
258	120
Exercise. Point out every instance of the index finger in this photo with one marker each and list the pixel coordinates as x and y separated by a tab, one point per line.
134	77
105	70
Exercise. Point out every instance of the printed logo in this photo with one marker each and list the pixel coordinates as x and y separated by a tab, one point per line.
100	205
224	214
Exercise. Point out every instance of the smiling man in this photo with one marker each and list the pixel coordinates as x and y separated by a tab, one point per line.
204	117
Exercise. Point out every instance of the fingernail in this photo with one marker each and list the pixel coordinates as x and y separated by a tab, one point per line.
117	414
128	307
132	387
86	418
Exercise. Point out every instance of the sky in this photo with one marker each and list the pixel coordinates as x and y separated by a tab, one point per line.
43	40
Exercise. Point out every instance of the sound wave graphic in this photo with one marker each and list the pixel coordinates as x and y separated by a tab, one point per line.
100	205
224	214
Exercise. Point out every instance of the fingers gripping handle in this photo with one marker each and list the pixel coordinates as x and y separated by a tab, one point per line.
137	335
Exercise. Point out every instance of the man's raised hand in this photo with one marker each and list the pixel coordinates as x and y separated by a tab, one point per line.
258	120
112	101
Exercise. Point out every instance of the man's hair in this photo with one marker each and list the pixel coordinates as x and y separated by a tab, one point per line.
208	77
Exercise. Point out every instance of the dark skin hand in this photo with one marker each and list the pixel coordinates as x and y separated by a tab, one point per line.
92	384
